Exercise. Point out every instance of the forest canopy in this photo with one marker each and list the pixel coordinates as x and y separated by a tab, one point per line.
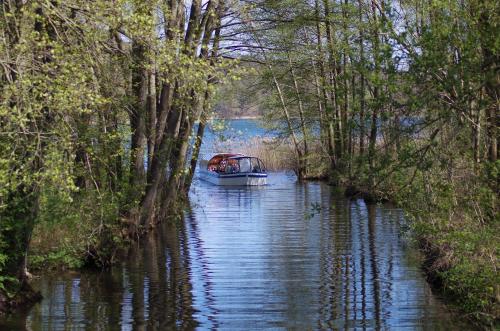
103	107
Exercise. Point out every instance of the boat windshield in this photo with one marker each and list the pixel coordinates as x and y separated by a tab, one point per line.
250	164
245	164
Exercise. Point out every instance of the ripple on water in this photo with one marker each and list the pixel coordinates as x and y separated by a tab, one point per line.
285	256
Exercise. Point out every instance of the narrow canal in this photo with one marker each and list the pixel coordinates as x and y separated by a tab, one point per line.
290	255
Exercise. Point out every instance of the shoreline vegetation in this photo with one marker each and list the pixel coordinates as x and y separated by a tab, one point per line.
87	90
459	255
397	103
392	101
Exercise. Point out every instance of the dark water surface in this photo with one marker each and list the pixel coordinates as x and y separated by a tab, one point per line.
286	256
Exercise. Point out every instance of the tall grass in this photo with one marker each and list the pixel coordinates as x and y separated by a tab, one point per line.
277	154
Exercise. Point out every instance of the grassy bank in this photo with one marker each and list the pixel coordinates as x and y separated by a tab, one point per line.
457	225
89	230
456	232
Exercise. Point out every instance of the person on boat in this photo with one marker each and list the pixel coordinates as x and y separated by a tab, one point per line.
222	166
256	165
232	166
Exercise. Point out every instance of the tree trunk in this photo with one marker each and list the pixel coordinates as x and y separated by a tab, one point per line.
158	168
476	134
362	87
206	100
376	105
301	115
491	59
138	118
493	123
345	110
191	114
300	156
151	111
196	149
333	73
330	132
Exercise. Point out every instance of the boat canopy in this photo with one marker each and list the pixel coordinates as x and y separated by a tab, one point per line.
235	163
215	162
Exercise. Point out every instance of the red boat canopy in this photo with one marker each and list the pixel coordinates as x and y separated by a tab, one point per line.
216	164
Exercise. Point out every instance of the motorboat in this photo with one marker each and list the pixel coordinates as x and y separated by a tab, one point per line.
233	170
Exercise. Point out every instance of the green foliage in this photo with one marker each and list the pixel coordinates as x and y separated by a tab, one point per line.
57	259
459	216
7	283
468	271
69	235
69	103
46	107
406	100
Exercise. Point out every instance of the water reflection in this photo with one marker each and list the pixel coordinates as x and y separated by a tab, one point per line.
151	290
284	256
272	265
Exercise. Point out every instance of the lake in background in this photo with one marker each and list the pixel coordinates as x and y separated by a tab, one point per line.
234	130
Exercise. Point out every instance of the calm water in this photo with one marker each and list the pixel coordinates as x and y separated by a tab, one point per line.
288	256
234	130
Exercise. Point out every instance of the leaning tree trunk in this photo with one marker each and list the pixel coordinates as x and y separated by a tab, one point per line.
327	123
206	102
301	116
138	117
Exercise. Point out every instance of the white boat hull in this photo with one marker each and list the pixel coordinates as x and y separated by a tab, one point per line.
239	179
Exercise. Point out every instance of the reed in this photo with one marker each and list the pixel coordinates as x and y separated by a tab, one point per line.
277	154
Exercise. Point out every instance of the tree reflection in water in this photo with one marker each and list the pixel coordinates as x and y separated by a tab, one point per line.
150	290
253	258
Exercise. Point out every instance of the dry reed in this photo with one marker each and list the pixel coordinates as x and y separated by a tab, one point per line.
277	154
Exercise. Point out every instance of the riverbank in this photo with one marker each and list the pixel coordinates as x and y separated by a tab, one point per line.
23	298
71	242
460	243
460	258
460	250
92	240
